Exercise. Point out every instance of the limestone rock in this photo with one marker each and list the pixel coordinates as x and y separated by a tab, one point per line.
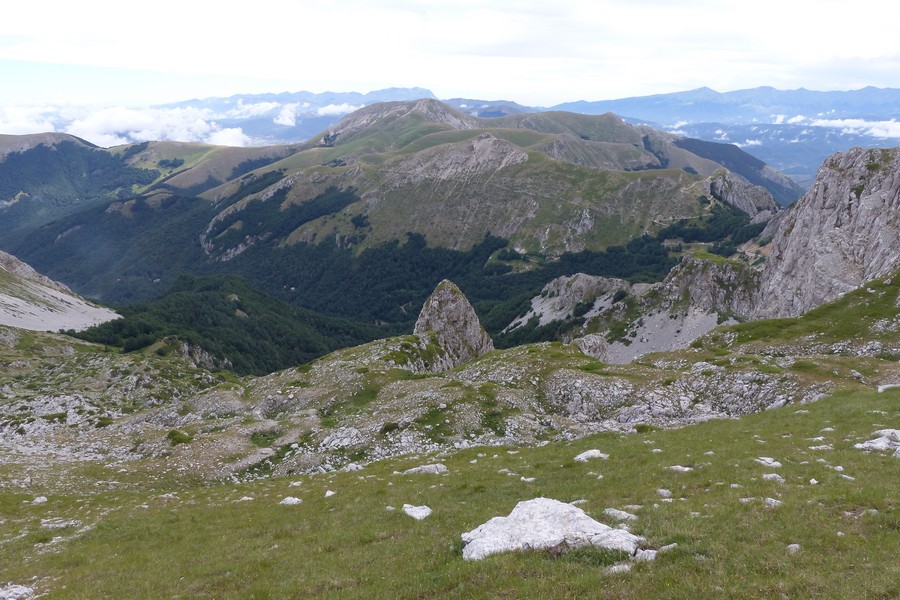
436	469
842	233
29	300
887	440
12	591
544	523
416	512
459	334
589	454
732	189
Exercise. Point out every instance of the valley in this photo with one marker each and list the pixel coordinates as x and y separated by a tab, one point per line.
422	308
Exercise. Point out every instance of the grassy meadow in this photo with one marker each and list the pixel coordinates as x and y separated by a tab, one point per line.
132	536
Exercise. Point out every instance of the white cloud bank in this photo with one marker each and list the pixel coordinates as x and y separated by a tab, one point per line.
333	110
113	126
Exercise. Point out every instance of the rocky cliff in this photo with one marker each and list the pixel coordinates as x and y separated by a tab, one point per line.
842	233
448	316
694	298
754	200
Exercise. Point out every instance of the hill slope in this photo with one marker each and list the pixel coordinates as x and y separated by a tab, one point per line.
31	301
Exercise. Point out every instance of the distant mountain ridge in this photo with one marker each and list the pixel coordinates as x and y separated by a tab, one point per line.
791	130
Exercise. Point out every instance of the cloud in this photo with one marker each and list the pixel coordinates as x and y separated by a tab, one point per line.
747	143
288	115
796	120
20	120
879	129
337	109
119	125
231	136
247	111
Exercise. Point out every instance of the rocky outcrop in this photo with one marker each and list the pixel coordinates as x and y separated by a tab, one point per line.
732	189
484	155
458	333
561	296
696	296
545	524
842	233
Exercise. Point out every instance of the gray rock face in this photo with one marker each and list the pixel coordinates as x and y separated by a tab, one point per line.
754	200
460	336
694	298
842	233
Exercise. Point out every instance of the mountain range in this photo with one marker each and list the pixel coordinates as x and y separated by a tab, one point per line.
422	314
791	130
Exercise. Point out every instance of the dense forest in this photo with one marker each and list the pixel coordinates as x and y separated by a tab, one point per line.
135	255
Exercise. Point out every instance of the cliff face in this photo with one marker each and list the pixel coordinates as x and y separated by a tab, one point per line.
460	337
842	233
754	200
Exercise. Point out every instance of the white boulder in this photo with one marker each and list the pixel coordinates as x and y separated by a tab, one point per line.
589	454
888	439
544	523
436	469
416	512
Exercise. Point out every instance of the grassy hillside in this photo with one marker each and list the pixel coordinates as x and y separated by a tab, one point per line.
135	511
169	537
47	182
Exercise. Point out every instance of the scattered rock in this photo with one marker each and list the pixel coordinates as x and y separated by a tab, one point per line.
681	469
59	523
664	493
767	461
773	477
645	555
291	501
544	523
772	503
39	500
793	548
416	512
589	454
887	440
329	494
619	568
436	469
619	515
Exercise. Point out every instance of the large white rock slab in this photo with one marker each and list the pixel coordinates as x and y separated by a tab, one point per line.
436	468
544	523
888	439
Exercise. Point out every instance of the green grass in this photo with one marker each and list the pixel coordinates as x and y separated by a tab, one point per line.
204	543
847	318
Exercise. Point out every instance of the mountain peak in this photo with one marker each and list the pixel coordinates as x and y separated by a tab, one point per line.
396	115
448	314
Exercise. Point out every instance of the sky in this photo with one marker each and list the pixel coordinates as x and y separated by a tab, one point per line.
62	62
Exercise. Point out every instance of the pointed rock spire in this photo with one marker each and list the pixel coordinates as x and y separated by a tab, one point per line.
448	315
